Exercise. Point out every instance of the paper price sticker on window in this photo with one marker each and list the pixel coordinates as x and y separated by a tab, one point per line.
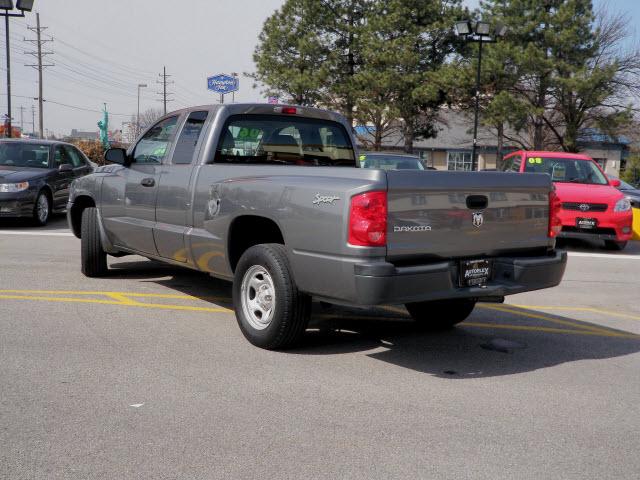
535	160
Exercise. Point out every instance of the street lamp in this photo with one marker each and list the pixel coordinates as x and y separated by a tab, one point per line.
480	32
6	5
140	85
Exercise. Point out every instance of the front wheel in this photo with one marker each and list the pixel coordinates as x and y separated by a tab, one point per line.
441	314
93	257
271	312
614	245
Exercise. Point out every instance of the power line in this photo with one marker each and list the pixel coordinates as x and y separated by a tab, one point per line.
75	107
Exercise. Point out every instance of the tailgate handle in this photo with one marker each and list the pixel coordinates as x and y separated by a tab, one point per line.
477	202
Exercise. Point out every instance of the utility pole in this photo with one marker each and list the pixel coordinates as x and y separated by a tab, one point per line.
164	92
33	119
22	119
39	41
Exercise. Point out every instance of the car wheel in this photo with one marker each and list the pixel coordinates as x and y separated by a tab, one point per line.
271	312
41	209
93	257
441	314
614	245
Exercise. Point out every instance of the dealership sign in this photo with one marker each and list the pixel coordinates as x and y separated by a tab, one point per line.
223	83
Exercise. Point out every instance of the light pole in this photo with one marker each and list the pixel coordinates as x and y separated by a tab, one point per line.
233	94
478	32
6	5
140	85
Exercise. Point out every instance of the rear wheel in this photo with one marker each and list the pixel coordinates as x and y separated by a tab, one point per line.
441	314
41	209
614	245
270	310
93	257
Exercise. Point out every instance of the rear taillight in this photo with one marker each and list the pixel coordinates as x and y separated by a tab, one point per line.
555	223
368	219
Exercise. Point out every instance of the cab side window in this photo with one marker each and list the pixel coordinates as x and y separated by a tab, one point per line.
74	156
507	164
154	145
60	157
188	138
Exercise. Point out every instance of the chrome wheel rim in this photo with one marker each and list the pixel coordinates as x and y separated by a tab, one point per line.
258	297
42	208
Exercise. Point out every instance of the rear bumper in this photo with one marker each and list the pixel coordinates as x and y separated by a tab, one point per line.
384	283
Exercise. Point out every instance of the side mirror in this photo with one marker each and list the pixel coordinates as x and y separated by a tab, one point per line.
117	155
614	182
65	167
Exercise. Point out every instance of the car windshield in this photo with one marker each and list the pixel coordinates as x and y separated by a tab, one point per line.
567	170
391	162
30	155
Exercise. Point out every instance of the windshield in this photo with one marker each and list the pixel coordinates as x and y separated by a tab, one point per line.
30	155
567	170
284	140
391	162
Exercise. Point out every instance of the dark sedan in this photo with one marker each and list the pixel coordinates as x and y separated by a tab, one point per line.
35	176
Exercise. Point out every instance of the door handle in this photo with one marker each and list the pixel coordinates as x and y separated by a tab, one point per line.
148	182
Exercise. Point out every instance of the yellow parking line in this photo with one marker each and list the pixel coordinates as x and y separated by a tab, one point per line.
527	328
504	308
115	302
128	294
596	333
546	318
122	298
580	309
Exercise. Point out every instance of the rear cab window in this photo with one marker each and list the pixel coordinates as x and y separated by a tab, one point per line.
284	140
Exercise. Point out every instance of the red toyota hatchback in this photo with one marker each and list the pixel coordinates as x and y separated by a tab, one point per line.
591	206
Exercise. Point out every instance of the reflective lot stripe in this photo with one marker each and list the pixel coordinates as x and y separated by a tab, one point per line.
36	234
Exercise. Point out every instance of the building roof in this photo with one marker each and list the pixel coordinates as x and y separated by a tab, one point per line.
455	131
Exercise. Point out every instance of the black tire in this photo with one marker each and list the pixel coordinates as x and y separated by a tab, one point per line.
289	316
441	314
39	218
614	245
93	257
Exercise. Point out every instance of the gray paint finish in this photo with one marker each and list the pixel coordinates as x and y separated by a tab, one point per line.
186	217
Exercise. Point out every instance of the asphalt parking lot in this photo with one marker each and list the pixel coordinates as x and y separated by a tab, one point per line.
145	374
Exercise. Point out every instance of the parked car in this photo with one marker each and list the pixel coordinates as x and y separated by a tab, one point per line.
629	190
35	176
392	161
592	208
269	198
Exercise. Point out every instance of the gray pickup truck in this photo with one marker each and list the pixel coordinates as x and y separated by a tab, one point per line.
270	198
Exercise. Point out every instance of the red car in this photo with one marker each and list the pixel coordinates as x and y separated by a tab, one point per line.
591	207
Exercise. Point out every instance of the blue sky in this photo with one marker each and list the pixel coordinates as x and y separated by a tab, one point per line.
102	58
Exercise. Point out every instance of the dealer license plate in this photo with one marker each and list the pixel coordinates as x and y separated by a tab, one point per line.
474	273
586	223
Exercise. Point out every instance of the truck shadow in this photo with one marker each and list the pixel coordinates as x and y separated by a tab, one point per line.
492	342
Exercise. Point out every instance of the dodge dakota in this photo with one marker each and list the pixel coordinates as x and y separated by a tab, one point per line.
270	197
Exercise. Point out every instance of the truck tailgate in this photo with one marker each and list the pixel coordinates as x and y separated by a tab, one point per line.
465	214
